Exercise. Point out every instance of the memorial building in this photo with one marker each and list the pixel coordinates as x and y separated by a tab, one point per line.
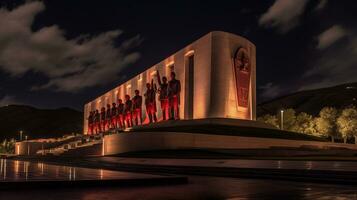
217	74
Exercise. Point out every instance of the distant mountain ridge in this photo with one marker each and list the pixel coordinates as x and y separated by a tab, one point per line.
38	123
312	101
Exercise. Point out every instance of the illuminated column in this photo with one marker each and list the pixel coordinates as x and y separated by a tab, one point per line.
233	75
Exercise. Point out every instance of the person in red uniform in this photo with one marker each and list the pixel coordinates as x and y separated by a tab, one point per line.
150	102
137	104
121	114
102	120
90	123
174	96
128	111
163	96
114	116
108	117
97	122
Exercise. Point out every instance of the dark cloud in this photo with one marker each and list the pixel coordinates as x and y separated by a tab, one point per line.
270	90
322	4
283	14
336	64
9	100
330	36
69	64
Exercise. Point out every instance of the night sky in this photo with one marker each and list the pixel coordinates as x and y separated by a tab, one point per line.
65	53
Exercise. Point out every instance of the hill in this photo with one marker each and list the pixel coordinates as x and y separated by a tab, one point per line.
312	101
38	123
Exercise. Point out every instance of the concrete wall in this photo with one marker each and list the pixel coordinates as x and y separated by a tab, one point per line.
143	141
29	148
224	101
214	89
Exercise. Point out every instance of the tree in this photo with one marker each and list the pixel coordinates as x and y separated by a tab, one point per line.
311	129
326	122
304	124
347	123
269	119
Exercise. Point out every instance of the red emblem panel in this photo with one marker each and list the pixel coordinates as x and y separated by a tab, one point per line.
242	71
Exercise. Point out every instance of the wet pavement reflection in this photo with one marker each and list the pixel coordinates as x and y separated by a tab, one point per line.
199	187
15	170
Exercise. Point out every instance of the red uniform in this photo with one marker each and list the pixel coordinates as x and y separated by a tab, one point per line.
174	98
121	115
128	115
97	128
137	104
102	120
114	116
150	104
108	118
90	123
163	96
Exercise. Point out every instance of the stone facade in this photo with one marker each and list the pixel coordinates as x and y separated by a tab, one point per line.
209	88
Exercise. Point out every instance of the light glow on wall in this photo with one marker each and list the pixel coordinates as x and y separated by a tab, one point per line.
153	73
170	63
140	77
189	53
103	147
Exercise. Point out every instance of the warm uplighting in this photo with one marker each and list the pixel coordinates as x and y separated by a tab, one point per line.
170	64
153	73
189	53
140	77
103	147
127	129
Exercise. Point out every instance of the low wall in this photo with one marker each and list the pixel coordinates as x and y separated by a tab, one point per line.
143	141
29	148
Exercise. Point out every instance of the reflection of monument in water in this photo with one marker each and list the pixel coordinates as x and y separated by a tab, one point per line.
217	74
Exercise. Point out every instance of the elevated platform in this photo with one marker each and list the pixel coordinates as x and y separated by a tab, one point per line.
222	126
225	134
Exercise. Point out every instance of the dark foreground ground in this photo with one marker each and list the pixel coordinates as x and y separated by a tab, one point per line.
205	186
198	188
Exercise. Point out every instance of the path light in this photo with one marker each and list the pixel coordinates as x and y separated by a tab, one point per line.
281	119
21	132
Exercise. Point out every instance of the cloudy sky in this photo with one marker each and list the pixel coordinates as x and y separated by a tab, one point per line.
64	53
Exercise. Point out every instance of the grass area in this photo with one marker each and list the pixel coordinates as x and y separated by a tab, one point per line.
234	130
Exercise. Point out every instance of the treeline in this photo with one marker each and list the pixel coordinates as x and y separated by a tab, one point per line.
7	146
330	123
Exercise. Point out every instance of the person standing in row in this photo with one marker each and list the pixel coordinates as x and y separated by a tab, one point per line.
174	96
163	95
137	107
97	121
128	111
121	114
108	117
150	102
102	120
114	116
90	123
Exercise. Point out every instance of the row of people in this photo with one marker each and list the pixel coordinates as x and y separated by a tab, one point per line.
126	114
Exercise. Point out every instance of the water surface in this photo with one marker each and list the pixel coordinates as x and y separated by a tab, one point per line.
15	170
